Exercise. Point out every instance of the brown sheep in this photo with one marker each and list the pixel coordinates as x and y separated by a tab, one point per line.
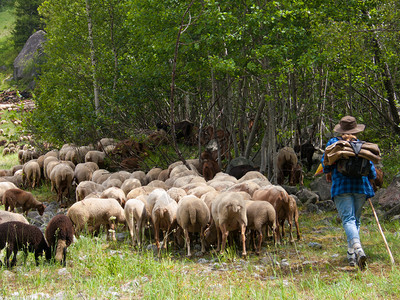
287	165
59	235
209	166
260	216
17	236
13	198
193	215
378	181
283	205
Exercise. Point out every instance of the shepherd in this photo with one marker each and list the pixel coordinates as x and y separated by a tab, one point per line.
350	193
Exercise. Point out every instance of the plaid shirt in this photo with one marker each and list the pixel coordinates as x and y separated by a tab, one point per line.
342	184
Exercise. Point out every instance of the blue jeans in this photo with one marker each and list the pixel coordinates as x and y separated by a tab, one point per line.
349	207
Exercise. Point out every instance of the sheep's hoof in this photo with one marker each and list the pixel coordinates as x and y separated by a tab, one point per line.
244	254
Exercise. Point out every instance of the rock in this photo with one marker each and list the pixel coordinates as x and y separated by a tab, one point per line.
327	205
379	193
291	190
391	197
322	188
239	161
306	196
315	245
30	55
313	208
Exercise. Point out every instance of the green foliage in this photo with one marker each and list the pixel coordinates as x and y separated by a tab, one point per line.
27	21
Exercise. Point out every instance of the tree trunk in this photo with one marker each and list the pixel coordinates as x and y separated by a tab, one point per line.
93	57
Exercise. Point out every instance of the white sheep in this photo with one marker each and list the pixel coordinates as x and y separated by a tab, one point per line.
95	212
141	176
115	193
142	190
130	184
82	172
31	174
86	188
7	216
176	193
193	215
229	213
136	217
96	157
100	175
4	186
163	216
158	184
153	174
61	178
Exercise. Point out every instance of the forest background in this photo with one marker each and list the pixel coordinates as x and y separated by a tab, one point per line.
114	68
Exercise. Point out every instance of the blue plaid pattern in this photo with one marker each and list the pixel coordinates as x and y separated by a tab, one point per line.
342	184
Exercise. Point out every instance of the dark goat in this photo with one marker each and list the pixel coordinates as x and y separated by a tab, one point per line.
306	151
20	236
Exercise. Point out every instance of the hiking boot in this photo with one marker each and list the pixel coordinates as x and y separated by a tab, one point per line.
351	258
361	258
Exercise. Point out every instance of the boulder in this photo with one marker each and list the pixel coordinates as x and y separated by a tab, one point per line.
239	161
322	188
25	64
391	196
306	196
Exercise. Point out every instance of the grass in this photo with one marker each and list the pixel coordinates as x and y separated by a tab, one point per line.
114	270
7	51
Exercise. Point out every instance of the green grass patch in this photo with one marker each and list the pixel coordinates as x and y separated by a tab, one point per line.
113	270
7	51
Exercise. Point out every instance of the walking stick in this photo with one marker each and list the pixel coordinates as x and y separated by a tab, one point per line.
380	230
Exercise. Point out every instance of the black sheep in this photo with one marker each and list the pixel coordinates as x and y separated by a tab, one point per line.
60	234
21	236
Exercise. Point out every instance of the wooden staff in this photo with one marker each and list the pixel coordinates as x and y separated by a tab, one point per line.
380	230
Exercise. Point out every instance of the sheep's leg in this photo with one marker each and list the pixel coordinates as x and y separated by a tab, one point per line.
283	228
202	240
243	235
112	229
165	240
273	229
224	235
277	232
8	254
187	240
260	238
7	257
157	235
218	238
296	222
290	221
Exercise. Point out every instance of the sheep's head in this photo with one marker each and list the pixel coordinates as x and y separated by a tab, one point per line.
41	208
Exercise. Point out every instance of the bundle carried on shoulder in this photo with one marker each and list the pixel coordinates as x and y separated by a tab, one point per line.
352	157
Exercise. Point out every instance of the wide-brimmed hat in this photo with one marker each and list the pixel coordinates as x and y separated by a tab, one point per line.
348	124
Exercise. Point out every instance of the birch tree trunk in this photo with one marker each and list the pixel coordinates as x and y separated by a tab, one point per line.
93	57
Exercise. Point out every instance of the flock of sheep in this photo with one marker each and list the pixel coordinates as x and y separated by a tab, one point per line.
177	202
